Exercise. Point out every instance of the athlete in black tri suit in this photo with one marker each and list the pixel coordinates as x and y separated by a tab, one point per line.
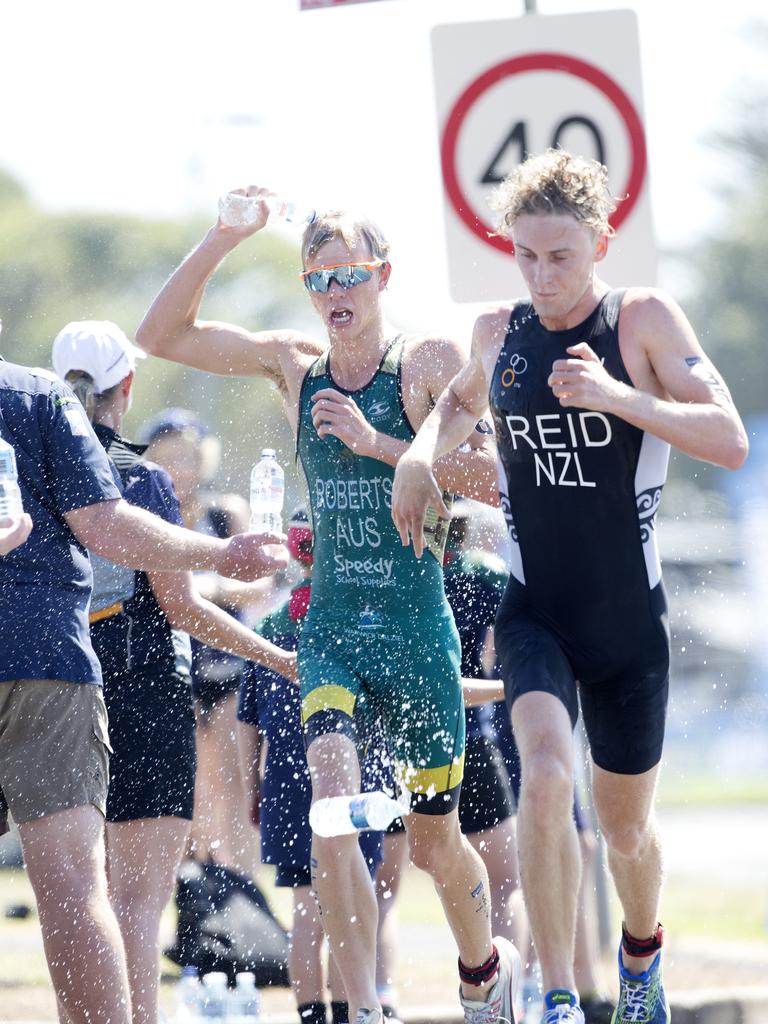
588	388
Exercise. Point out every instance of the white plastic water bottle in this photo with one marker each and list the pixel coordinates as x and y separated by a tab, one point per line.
215	996
188	997
267	494
342	815
244	1000
10	495
237	210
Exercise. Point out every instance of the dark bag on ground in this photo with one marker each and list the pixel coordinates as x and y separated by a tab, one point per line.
225	924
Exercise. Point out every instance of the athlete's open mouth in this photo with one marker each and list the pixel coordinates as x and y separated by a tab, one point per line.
340	317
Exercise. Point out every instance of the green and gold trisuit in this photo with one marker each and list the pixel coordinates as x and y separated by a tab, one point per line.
379	639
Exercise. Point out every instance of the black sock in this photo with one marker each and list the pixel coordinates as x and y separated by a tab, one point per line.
312	1013
339	1012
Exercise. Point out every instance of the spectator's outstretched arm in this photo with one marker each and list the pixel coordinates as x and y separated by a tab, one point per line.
131	536
481	691
13	533
186	609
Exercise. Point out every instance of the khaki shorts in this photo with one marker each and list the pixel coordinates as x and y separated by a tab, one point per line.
54	748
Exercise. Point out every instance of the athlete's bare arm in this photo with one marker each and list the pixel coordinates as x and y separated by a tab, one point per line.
428	366
171	328
678	395
457	410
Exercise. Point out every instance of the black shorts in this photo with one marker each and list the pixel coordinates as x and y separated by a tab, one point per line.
621	685
486	793
152	730
215	676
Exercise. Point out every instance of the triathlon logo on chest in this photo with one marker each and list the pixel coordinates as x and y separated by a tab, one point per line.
378	410
556	441
517	366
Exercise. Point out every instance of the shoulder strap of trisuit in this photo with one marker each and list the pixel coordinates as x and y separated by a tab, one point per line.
521	310
612	301
391	362
320	366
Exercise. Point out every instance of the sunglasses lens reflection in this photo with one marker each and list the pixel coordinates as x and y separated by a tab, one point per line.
347	277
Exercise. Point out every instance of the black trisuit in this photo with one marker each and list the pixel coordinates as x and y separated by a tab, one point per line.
584	611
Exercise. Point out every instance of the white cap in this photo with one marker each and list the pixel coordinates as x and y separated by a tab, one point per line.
99	348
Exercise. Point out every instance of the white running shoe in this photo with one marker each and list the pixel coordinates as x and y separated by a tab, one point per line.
369	1017
561	1007
499	1007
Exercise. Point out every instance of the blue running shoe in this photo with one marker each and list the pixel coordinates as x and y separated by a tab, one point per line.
562	1007
641	996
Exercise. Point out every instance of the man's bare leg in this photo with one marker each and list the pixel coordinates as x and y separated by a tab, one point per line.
340	877
461	881
550	860
388	879
624	806
498	848
64	856
142	858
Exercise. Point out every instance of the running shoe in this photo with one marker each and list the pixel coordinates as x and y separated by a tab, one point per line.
641	996
498	1008
369	1017
562	1007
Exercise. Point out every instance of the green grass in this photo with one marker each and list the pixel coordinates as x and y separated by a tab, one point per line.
728	915
710	791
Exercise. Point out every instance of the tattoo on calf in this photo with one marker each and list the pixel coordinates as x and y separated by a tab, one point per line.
479	894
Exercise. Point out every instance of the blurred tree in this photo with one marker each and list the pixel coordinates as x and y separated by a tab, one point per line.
60	267
729	267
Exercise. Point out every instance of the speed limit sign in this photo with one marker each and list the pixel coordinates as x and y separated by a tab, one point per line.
512	88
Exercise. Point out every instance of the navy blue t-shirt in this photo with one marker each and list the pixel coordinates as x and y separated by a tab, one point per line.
155	644
45	584
474	584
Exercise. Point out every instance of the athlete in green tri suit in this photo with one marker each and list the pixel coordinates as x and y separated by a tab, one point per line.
400	655
379	634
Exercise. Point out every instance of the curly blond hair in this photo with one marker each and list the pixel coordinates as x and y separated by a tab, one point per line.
556	182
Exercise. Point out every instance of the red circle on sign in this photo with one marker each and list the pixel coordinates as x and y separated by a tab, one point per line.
539	62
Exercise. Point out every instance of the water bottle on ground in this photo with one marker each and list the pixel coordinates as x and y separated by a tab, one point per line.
343	815
188	997
10	495
215	996
237	210
267	494
244	1000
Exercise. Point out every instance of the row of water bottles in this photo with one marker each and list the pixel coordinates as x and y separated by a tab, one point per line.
213	1000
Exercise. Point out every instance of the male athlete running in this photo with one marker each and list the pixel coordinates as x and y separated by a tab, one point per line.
355	406
589	387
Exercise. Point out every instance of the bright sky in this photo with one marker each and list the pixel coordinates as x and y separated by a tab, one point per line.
155	108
